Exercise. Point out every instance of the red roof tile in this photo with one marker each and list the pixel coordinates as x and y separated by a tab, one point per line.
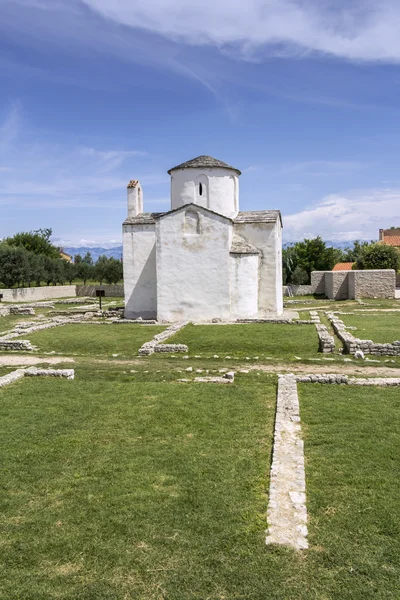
392	240
343	266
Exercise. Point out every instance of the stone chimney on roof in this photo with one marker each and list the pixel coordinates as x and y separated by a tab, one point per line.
135	198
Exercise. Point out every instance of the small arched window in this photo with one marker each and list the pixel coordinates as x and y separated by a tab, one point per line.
201	190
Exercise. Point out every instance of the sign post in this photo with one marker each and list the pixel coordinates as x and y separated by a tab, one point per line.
100	294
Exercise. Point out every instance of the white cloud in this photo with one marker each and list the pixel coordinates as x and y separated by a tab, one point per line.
353	29
357	215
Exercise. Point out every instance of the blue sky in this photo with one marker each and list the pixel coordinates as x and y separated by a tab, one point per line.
301	95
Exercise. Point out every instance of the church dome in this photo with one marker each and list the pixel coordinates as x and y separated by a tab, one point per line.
208	182
204	162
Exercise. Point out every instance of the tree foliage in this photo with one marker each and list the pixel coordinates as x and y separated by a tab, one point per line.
354	253
23	268
37	242
378	256
309	255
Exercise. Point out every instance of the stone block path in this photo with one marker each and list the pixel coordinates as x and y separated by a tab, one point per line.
287	513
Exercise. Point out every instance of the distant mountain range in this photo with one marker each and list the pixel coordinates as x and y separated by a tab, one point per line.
116	251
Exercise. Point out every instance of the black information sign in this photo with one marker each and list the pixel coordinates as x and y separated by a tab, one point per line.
100	294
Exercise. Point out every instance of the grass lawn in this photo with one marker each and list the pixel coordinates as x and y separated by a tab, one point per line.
6	370
10	321
95	340
115	489
352	450
255	339
383	328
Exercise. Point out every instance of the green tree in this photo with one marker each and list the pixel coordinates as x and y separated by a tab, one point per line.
70	271
37	242
88	259
100	268
84	271
48	270
353	254
13	265
312	255
378	256
289	264
114	272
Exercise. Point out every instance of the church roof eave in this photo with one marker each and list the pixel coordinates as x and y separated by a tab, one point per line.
259	216
204	162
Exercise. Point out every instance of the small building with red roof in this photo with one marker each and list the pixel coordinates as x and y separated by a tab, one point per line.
344	266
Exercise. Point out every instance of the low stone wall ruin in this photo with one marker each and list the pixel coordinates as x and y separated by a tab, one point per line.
352	344
297	290
150	347
110	290
351	285
16	345
33	294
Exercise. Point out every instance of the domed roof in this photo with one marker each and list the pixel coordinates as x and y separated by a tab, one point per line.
204	162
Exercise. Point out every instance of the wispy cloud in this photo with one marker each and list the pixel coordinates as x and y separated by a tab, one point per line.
352	30
356	215
75	28
37	174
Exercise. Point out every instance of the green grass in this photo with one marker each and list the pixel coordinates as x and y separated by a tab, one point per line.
113	489
383	328
10	321
6	370
95	340
132	486
352	449
256	339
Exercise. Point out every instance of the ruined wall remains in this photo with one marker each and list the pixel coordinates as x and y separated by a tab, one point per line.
344	285
110	290
33	294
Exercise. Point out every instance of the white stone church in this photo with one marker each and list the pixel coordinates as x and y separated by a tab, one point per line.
203	259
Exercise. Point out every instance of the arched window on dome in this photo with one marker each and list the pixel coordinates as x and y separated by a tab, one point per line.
192	222
201	187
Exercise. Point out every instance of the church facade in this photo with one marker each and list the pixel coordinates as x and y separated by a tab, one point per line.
203	259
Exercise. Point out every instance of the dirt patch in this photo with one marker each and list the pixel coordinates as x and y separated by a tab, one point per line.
14	359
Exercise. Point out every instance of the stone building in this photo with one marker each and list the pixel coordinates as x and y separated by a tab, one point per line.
203	259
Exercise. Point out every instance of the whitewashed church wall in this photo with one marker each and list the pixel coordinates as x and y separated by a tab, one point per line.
140	282
193	269
244	285
264	236
220	189
278	269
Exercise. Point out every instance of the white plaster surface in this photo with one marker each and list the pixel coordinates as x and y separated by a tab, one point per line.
140	277
244	285
267	237
182	265
193	270
220	189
